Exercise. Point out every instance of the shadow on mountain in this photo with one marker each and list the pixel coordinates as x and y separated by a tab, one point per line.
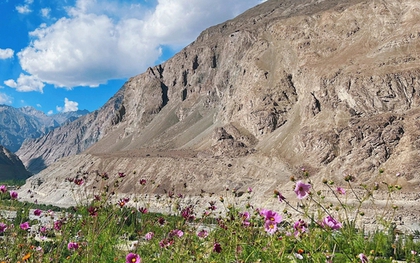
36	165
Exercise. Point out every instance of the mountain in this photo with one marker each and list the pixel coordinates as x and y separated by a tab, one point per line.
19	124
329	86
11	167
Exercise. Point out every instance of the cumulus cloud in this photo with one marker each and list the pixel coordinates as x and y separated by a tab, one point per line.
68	106
45	12
104	39
6	53
5	99
26	83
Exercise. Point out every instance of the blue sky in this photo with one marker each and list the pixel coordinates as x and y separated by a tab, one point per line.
64	55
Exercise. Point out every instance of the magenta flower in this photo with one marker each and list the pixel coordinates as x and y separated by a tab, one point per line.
37	212
143	210
203	234
300	227
270	215
3	189
3	227
363	258
57	225
331	223
302	189
149	235
217	247
132	258
142	181
341	190
270	226
13	195
25	226
176	232
72	246
245	218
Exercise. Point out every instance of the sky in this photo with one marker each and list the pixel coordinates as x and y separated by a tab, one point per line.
65	55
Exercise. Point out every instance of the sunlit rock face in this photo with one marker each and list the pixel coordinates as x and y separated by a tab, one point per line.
331	86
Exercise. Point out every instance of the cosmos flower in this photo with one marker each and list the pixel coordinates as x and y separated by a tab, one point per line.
3	189
217	247
149	235
270	226
302	189
363	258
132	258
270	215
72	246
13	195
331	223
25	226
3	227
341	190
203	233
37	212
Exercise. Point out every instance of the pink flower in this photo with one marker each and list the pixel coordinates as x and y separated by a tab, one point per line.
13	195
25	226
341	190
57	225
245	218
72	246
271	216
176	232
37	212
3	189
203	234
217	247
3	227
302	189
270	226
300	227
331	223
363	258
149	236
132	258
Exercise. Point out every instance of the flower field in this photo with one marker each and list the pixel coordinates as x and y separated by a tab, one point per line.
102	230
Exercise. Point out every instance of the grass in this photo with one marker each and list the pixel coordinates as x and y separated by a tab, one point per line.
102	230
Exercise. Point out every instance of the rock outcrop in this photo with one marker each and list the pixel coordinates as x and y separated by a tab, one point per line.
11	167
332	86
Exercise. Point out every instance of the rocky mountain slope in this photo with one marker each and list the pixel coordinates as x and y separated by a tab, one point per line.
19	124
11	167
73	137
331	86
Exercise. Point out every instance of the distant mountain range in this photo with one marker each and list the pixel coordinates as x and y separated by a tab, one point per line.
19	124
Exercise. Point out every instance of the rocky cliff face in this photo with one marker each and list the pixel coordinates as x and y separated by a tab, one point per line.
332	86
11	167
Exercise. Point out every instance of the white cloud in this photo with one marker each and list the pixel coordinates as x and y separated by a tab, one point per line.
68	106
5	99
104	39
26	83
6	53
23	9
45	12
50	112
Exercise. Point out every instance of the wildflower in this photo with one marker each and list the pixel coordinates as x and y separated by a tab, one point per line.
57	225
161	221
149	235
270	226
132	258
271	216
413	252
203	233
363	258
3	227
142	181
121	203
341	190
93	211
300	227
165	243
26	257
217	247
78	181
143	210
25	226
121	175
188	213
3	189
72	246
249	190
245	218
302	189
331	223
13	195
176	232
37	212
